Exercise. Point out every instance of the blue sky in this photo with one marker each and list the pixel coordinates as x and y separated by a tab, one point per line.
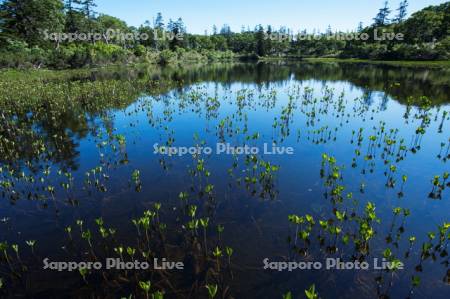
200	15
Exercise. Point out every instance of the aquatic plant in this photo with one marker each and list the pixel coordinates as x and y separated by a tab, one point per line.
136	178
311	293
83	272
212	290
145	286
204	222
31	243
288	295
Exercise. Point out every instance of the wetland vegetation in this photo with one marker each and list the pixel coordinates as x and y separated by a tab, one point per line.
79	180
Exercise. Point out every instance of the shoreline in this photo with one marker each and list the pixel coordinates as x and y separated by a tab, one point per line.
398	63
403	63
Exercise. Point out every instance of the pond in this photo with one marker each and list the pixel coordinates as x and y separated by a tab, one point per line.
234	170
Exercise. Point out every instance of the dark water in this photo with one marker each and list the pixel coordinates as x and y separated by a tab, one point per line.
314	108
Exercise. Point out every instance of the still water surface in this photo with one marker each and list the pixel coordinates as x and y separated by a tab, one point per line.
313	108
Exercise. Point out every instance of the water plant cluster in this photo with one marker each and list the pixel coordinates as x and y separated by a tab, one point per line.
354	234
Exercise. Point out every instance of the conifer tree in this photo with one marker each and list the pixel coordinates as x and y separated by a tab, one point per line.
382	17
402	11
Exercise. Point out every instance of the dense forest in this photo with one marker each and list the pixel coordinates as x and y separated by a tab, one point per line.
38	34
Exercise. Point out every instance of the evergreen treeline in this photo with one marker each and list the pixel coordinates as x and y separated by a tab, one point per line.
26	25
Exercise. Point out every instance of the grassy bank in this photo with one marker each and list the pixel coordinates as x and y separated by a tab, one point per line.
433	64
400	63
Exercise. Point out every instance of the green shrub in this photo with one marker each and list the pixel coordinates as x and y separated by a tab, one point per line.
191	56
80	57
139	51
102	53
39	57
167	57
15	54
443	49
